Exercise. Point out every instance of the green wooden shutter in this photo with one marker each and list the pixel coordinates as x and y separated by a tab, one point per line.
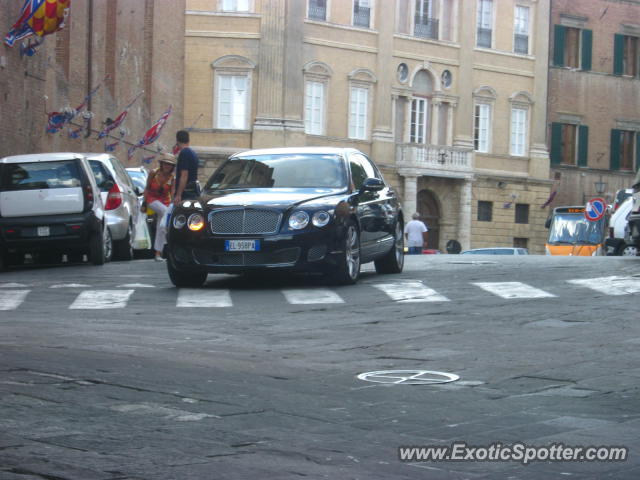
583	145
637	152
558	45
556	143
615	149
587	42
618	54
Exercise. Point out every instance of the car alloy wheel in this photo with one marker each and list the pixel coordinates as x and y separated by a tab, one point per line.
352	252
393	260
629	251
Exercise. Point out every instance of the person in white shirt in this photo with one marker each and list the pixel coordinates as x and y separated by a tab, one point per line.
416	234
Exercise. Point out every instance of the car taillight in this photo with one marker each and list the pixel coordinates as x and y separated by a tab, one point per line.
114	198
88	198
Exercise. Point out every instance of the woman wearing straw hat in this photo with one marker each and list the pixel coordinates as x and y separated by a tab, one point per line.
157	197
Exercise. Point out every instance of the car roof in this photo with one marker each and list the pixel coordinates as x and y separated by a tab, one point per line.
41	157
290	150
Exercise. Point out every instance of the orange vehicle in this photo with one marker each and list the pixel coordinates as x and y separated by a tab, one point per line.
570	233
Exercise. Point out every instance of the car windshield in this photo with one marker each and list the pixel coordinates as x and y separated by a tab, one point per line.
574	228
291	170
139	179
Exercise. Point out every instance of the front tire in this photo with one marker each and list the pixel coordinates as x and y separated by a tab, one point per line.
185	279
628	250
393	260
348	269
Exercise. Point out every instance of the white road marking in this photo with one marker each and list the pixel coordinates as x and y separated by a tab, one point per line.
410	292
203	298
100	299
136	285
610	285
70	285
13	285
311	296
11	299
513	290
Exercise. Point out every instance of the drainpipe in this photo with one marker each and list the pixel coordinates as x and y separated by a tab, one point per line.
89	62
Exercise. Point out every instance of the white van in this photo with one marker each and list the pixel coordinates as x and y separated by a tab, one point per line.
50	205
615	243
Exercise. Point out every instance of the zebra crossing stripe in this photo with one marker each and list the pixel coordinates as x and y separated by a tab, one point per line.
410	292
510	290
311	296
11	299
610	285
100	299
203	298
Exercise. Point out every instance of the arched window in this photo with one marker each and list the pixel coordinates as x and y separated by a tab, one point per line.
316	84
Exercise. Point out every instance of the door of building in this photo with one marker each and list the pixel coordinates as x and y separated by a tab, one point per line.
429	209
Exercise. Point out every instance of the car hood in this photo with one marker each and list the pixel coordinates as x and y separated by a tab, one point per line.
265	197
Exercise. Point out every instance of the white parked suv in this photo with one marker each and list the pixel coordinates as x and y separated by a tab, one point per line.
50	205
615	243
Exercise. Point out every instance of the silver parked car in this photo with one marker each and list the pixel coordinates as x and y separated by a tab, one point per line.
121	204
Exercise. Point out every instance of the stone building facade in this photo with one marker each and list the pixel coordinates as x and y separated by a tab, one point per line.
447	96
594	89
126	46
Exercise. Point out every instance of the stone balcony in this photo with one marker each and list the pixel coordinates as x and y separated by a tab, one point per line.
434	160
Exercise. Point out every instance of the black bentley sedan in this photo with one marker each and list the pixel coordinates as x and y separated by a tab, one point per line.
302	209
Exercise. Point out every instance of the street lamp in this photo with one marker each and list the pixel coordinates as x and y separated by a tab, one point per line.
600	186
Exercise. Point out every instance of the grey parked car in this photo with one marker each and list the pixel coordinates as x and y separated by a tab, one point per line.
121	204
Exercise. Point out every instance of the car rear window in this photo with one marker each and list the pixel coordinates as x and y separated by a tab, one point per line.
41	175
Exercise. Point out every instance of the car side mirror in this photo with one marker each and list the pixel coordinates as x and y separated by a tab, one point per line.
547	224
372	185
139	191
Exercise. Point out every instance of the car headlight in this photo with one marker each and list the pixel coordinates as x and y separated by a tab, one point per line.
321	218
298	220
196	222
179	221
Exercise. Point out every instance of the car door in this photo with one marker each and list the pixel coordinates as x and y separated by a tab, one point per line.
369	204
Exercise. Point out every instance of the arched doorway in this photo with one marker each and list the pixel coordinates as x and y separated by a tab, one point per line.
429	209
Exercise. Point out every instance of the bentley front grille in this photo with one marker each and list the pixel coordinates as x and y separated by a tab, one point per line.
242	221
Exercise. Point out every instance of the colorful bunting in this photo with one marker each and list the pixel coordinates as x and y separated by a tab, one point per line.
112	124
38	17
152	134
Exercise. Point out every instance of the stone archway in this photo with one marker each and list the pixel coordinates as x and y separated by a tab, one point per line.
429	209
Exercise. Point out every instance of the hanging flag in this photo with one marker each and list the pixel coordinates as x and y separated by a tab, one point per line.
110	147
550	199
57	120
38	17
152	134
113	124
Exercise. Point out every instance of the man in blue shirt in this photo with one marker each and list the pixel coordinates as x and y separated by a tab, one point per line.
187	186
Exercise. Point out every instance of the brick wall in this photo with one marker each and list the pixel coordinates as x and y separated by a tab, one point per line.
140	44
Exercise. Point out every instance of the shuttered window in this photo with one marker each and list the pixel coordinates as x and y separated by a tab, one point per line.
572	47
314	108
569	144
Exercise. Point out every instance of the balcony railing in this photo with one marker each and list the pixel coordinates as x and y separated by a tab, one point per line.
448	160
484	37
426	27
361	16
317	12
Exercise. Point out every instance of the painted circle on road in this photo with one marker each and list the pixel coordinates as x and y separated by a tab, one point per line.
595	209
408	377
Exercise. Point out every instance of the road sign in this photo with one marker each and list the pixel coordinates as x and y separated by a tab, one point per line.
595	209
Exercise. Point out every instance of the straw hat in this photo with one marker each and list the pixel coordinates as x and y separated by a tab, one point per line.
168	158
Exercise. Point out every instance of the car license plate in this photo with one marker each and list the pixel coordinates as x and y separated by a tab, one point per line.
43	231
242	245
